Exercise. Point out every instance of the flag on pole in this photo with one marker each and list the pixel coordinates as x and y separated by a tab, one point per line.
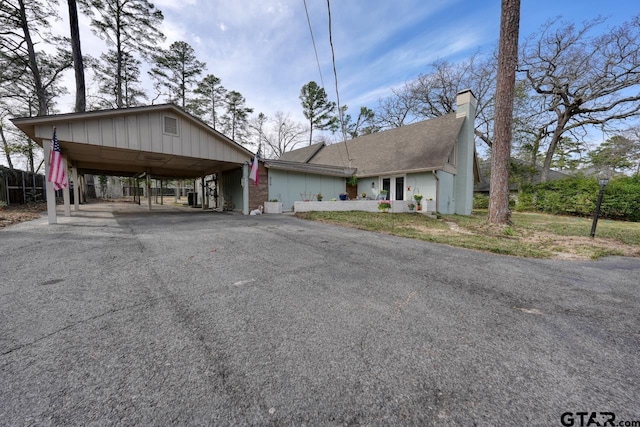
57	170
253	175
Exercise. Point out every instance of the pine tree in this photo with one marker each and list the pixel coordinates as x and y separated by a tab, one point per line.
22	65
209	101
78	63
363	125
175	71
317	108
236	118
129	26
505	89
105	71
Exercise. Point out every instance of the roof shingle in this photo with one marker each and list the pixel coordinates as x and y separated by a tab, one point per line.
419	146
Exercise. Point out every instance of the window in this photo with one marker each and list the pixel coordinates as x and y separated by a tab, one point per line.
386	186
171	125
400	188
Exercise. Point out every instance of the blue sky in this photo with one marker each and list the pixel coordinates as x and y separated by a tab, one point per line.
263	48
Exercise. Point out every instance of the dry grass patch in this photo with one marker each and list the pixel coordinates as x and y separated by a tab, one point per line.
529	235
19	213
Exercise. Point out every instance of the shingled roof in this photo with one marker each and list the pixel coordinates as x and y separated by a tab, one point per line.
302	155
422	146
309	168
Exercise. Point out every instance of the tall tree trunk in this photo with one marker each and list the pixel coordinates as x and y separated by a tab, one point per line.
119	55
505	88
5	146
33	63
78	65
30	155
557	134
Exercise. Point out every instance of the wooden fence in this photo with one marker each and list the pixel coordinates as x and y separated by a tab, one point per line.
20	187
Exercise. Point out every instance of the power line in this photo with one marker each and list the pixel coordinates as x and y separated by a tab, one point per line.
314	42
335	75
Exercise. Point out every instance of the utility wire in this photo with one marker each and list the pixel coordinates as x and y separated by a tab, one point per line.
335	75
314	42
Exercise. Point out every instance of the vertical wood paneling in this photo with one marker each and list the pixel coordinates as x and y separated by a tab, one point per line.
185	131
132	132
198	145
106	133
144	132
155	128
120	132
186	148
167	143
78	132
226	152
214	147
208	147
94	136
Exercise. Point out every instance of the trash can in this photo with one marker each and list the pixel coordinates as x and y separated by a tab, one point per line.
192	199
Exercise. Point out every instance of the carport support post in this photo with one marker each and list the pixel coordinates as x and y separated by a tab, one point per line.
245	188
51	195
83	188
65	192
76	189
149	191
202	179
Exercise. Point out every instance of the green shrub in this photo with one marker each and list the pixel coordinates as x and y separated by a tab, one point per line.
480	201
622	199
525	201
578	196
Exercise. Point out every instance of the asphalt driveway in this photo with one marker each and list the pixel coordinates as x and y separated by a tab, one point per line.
123	317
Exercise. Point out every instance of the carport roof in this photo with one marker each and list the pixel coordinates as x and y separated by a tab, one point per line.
160	140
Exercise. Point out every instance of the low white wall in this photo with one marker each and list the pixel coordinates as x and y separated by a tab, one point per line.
352	205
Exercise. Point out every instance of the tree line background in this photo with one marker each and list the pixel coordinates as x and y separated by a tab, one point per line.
575	83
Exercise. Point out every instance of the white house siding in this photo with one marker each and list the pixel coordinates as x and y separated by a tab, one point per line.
446	199
421	183
414	183
289	187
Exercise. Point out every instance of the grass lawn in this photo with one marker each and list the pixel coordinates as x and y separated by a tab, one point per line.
530	234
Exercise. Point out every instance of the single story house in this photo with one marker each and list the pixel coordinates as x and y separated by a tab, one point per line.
435	158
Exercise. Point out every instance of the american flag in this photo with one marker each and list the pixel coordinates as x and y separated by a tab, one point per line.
254	168
57	170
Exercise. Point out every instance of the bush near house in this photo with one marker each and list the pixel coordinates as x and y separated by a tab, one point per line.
578	196
480	201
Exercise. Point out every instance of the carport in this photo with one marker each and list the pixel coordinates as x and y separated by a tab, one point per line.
157	141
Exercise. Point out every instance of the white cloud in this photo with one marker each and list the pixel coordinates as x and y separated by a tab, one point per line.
264	50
